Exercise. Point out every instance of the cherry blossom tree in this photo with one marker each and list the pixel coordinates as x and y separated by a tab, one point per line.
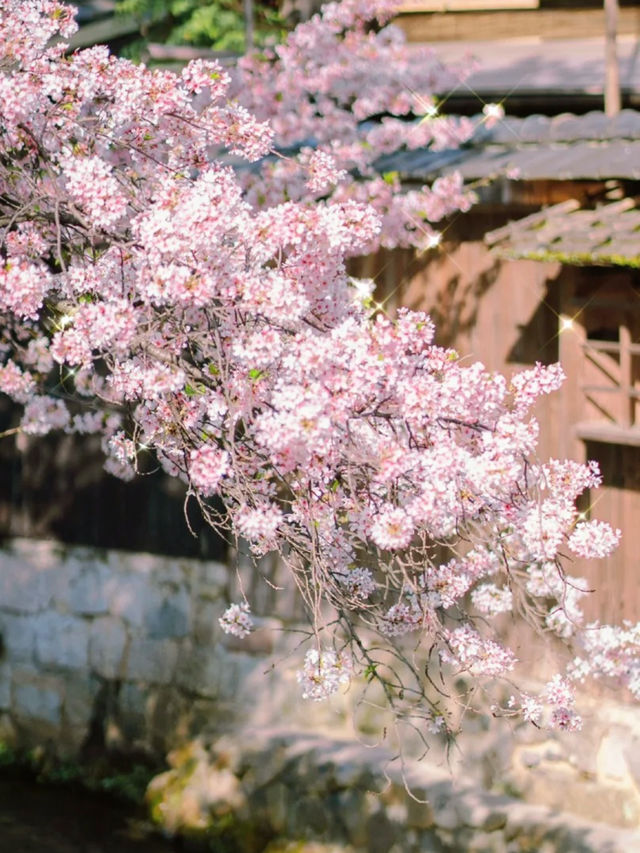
344	90
148	296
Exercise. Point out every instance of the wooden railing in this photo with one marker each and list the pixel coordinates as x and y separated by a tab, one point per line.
619	423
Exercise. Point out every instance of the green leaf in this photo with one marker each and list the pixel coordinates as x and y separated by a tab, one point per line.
370	672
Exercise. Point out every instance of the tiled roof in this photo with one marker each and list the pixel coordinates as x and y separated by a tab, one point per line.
564	147
567	128
607	235
557	161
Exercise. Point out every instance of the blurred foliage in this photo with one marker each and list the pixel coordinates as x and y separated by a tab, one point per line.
219	25
130	785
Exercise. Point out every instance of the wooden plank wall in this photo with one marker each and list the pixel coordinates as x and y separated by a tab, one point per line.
56	488
481	25
616	578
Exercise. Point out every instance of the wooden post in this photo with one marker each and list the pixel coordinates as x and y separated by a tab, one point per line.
626	376
248	25
572	335
612	101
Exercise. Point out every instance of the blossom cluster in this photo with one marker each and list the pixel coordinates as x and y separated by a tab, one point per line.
359	583
468	651
140	274
611	652
594	539
236	620
323	673
207	466
552	709
330	81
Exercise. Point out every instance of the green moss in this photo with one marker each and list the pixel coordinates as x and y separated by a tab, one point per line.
287	845
580	259
8	755
130	785
127	783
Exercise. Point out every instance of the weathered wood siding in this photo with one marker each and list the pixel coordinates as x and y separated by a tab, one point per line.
56	488
433	25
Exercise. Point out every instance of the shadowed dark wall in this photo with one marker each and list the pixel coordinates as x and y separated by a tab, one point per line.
57	488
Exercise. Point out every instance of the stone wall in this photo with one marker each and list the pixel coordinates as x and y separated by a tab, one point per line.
594	773
340	796
123	651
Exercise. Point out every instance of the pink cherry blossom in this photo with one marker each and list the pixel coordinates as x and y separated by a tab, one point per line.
594	539
466	650
359	583
158	291
207	466
323	673
392	528
236	620
16	383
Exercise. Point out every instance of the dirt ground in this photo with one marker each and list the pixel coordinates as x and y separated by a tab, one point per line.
55	819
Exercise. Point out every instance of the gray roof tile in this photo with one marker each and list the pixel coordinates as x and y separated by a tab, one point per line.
607	235
564	147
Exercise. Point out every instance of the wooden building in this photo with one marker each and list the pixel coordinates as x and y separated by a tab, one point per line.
547	268
534	56
479	20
